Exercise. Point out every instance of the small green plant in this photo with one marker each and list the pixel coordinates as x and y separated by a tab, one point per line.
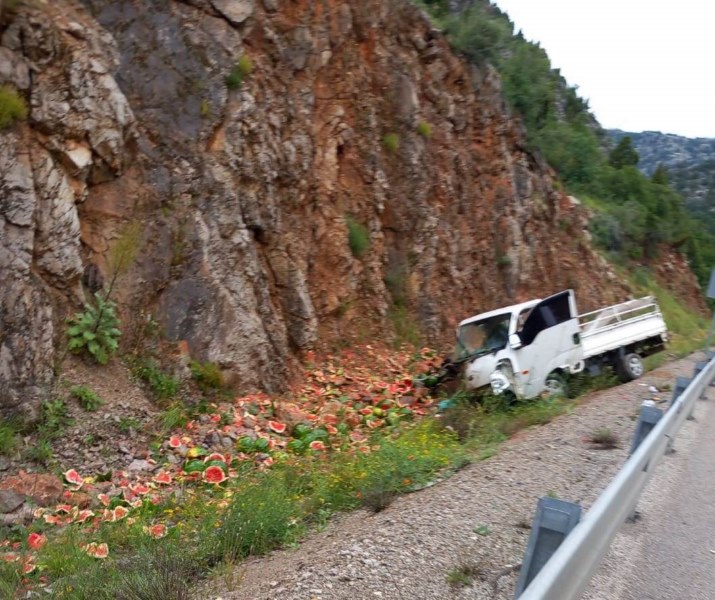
605	438
12	107
391	142
55	417
88	399
504	260
95	330
552	494
465	573
40	452
205	108
358	237
424	129
207	375
239	72
482	530
162	385
127	424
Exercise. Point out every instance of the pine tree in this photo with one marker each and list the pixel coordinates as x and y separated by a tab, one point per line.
624	155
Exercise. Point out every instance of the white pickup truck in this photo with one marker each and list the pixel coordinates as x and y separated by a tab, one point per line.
529	348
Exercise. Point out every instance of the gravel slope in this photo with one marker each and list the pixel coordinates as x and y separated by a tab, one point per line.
407	550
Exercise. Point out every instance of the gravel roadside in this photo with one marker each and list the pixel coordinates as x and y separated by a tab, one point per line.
669	552
407	550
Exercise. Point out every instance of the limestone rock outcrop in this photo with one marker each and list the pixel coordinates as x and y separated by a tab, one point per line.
337	115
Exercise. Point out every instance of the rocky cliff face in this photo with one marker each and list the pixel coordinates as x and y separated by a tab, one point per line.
340	113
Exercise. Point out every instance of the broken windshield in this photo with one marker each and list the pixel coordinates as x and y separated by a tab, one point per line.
480	337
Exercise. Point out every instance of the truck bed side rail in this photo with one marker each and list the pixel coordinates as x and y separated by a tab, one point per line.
615	316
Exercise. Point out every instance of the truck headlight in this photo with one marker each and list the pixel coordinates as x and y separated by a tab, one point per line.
500	383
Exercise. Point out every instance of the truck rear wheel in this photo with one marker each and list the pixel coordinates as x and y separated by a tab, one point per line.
630	367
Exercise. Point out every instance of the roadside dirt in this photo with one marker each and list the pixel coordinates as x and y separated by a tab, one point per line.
479	518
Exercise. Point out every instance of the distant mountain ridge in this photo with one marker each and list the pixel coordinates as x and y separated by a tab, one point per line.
673	151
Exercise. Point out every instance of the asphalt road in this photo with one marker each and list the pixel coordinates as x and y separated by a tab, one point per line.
669	553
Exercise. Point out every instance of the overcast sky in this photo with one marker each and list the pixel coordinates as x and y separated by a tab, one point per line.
642	64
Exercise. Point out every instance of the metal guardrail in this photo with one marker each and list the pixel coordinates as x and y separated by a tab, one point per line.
568	571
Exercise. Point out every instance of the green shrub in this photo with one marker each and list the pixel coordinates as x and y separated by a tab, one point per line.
88	399
12	107
95	330
207	375
358	237
391	142
424	129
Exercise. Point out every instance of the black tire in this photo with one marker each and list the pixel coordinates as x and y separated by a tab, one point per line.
555	385
630	367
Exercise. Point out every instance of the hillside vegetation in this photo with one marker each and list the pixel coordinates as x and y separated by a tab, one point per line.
635	215
689	163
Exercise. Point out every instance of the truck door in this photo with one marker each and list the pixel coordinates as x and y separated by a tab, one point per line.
549	340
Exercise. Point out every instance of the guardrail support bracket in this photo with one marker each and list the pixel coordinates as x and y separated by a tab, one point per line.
649	416
553	521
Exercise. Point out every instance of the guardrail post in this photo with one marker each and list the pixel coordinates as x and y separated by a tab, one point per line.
553	521
680	384
699	366
649	416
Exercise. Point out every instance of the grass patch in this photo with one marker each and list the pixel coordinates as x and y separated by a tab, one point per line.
12	107
464	574
404	325
8	437
207	375
391	142
88	399
174	416
162	385
687	329
358	237
605	438
424	129
239	72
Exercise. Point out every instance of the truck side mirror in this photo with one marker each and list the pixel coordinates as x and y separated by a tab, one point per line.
515	341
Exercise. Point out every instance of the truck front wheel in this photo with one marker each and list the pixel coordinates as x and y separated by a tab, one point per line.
630	367
555	385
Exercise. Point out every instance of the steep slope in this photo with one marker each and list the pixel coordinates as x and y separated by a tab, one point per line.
245	174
